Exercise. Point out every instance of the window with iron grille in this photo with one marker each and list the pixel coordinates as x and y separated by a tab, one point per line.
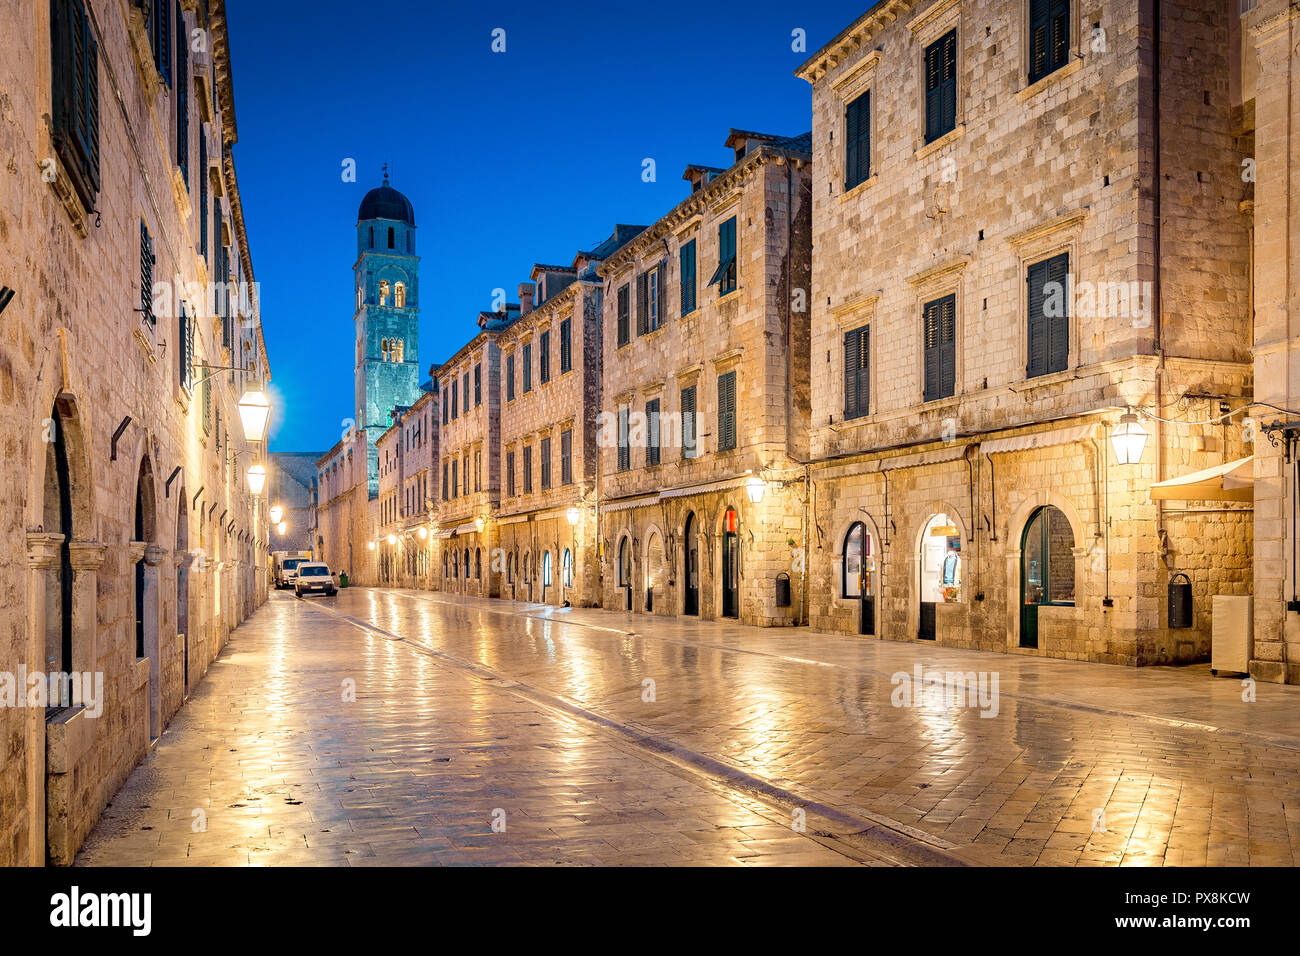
652	432
566	457
727	411
146	276
546	463
940	340
1049	37
75	75
624	295
941	86
857	372
686	261
857	141
566	345
544	357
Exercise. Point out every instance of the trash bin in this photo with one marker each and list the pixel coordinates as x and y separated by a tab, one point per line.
783	590
1180	601
343	579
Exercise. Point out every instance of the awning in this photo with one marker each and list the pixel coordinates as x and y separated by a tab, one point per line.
1059	436
1231	481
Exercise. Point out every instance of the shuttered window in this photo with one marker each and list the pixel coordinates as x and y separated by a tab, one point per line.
566	457
528	468
75	74
686	259
544	358
857	372
528	367
455	400
203	197
160	38
725	274
624	331
465	400
566	345
185	331
689	449
857	141
654	296
182	97
510	473
940	340
727	411
207	405
652	432
510	377
941	86
1049	37
546	463
1049	316
478	384
146	276
643	303
624	452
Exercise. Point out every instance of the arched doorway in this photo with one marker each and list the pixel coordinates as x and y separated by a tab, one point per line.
654	571
857	576
691	598
58	519
510	573
625	571
730	564
146	589
939	570
546	574
1046	568
528	575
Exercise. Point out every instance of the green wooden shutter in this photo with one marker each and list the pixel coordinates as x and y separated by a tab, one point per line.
566	351
941	86
1037	334
948	346
623	318
642	304
146	275
1058	268
688	421
931	323
686	256
857	141
851	374
661	300
652	432
182	96
624	453
727	411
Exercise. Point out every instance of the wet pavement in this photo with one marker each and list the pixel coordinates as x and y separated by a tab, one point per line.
389	727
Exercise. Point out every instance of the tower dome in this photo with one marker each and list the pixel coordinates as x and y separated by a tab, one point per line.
385	202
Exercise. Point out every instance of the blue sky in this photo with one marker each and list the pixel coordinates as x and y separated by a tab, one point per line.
509	158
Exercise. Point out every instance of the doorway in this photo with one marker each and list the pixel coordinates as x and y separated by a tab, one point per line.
691	603
625	572
939	566
858	576
183	589
730	564
1046	568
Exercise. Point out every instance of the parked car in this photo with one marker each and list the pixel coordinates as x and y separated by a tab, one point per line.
284	566
314	576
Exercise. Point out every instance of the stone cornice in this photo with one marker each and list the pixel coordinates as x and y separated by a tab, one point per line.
943	270
1061	224
855	36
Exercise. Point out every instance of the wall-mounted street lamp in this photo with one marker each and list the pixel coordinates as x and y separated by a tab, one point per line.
370	545
254	413
276	514
423	533
755	487
282	527
392	539
1128	438
256	478
480	524
573	514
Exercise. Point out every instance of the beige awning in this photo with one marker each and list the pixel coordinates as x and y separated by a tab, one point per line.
1059	436
1231	481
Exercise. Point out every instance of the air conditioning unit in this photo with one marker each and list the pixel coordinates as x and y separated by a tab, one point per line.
1232	642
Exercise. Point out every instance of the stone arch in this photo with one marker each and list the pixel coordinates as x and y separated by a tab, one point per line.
934	506
841	532
654	569
1017	520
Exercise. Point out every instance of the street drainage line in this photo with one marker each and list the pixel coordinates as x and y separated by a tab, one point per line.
912	845
1274	740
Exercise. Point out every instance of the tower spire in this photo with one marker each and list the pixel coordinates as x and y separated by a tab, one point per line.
385	174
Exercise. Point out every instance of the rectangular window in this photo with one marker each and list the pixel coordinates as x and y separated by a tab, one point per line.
455	483
624	452
689	448
544	357
652	432
510	377
727	411
510	473
1049	316
528	367
465	403
857	372
185	330
1049	37
566	345
643	303
146	276
203	196
528	468
566	457
857	141
182	97
624	294
725	274
654	297
546	463
445	486
160	38
478	384
444	411
478	470
455	400
941	86
940	320
75	72
207	406
686	260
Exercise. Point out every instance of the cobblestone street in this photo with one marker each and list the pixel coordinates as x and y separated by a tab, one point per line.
471	712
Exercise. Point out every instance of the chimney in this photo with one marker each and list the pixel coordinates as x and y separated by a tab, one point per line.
525	297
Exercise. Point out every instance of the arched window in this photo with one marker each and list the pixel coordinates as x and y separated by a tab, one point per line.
856	573
546	569
390	237
467	563
444	564
455	565
624	564
528	567
383	345
1046	568
510	568
478	563
399	295
566	568
359	293
383	292
398	350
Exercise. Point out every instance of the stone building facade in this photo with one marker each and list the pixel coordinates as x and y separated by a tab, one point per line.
133	545
705	403
548	459
291	486
408	490
344	518
469	475
996	284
